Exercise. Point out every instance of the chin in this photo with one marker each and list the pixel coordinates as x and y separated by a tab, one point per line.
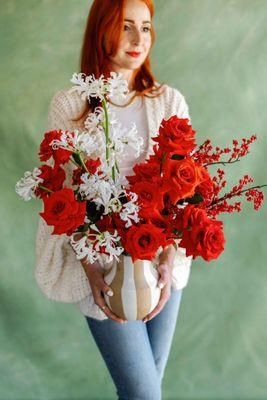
134	64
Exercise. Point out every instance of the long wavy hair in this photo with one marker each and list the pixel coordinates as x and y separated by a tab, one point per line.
101	40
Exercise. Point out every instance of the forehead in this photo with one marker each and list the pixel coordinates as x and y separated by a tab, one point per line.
137	11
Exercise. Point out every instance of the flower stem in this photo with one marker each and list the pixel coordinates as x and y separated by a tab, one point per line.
46	189
113	173
82	161
106	128
74	162
230	195
117	167
221	162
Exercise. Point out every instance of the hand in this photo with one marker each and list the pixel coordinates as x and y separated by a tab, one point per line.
98	286
165	274
95	276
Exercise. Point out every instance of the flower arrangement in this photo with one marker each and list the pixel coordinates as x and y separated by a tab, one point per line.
177	193
170	199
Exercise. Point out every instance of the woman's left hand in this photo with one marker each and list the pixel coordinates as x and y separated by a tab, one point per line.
165	275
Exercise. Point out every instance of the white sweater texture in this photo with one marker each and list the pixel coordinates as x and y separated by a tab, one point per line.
58	273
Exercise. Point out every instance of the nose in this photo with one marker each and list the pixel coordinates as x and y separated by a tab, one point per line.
136	37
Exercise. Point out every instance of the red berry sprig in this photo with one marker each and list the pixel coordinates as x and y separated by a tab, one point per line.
206	155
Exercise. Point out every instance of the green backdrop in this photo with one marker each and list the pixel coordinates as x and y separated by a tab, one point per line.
214	52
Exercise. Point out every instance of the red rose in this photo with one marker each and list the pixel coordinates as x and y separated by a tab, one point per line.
193	216
205	240
157	155
201	236
143	241
206	187
176	136
147	213
181	178
148	171
63	211
150	195
161	221
46	151
188	216
53	180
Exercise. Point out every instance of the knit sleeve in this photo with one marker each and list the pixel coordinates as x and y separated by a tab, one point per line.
58	273
180	106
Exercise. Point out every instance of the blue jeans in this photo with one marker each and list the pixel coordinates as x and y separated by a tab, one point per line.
136	353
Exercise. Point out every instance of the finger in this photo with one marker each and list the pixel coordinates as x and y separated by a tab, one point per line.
156	311
100	302
165	295
164	275
106	289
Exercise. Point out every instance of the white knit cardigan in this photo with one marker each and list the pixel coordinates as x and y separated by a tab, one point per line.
58	273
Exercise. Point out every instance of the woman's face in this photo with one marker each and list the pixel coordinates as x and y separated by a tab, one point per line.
135	42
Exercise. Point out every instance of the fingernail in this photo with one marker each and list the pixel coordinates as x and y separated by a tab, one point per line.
161	285
145	320
110	293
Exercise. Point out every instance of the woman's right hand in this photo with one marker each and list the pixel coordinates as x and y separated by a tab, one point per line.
95	276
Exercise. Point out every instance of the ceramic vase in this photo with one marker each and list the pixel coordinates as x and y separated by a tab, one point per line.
134	285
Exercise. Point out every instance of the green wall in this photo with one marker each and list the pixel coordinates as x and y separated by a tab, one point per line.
214	52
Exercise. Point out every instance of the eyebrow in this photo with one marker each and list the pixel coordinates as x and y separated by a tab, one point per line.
132	21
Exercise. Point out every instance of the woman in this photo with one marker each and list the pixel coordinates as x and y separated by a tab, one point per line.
118	37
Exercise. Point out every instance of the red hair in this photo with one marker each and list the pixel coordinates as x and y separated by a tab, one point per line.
101	40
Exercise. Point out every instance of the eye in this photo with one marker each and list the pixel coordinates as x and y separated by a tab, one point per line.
146	29
126	28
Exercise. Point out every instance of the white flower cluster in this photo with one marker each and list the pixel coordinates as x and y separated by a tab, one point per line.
120	138
104	138
89	86
91	247
130	210
27	185
103	191
101	188
76	142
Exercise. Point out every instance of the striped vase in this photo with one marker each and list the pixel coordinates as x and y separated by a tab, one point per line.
134	285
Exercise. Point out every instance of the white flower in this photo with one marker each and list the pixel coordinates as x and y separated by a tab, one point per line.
130	211
117	86
76	141
83	248
91	248
95	120
97	188
89	86
121	138
102	190
26	186
109	241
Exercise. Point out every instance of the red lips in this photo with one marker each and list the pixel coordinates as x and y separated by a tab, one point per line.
133	54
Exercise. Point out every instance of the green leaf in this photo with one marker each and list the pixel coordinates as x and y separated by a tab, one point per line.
177	157
197	198
77	159
83	228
